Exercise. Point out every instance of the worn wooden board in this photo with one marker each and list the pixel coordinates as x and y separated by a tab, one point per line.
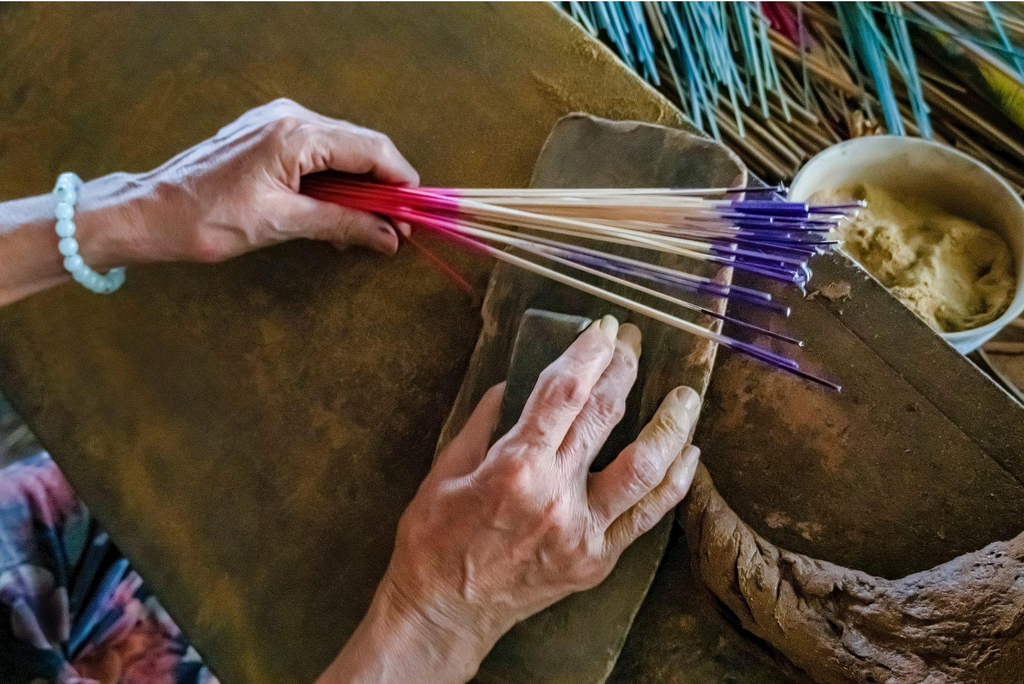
919	460
216	418
578	639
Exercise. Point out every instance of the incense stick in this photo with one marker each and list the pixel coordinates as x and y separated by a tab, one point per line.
768	237
779	82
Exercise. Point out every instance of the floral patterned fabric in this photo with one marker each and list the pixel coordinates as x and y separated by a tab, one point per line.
71	609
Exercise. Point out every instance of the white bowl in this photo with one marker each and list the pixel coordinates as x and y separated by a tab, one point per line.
945	177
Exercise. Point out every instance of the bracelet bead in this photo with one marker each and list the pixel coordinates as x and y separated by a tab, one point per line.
68	246
64	211
65	194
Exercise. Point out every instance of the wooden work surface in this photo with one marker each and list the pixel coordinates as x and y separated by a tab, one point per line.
301	391
297	390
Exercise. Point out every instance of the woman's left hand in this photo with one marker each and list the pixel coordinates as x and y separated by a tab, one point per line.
239	191
233	193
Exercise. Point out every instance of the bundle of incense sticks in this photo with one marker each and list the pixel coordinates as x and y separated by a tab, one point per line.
781	81
764	236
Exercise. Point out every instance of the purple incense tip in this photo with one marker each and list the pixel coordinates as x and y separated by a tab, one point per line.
771	208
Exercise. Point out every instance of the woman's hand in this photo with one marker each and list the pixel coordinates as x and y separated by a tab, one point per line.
497	534
239	190
235	192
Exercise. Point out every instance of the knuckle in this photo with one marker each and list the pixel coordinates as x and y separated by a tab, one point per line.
345	224
610	409
672	426
284	124
406	525
525	436
595	573
517	478
644	471
563	389
647	517
591	567
560	517
381	140
619	410
596	549
582	574
382	145
376	137
416	526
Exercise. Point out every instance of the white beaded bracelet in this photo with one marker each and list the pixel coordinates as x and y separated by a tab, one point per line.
65	193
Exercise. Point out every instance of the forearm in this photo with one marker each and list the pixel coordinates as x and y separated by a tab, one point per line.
396	642
29	259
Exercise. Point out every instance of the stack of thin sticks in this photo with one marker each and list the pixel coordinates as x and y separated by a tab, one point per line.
564	235
778	82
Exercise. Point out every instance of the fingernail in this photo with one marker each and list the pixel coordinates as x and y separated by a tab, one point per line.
690	456
682	474
610	327
629	334
689	401
387	240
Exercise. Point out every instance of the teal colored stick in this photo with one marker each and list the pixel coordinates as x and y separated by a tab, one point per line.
868	21
901	38
576	10
699	74
746	24
642	33
802	37
614	12
771	67
735	49
865	44
850	40
675	22
1011	51
993	13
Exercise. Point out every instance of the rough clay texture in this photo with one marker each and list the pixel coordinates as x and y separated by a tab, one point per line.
962	621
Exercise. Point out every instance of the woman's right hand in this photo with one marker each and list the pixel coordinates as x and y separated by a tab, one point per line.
497	533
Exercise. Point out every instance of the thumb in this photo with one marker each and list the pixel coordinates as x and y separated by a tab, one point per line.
326	221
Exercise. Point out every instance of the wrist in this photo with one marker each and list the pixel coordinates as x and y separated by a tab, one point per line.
402	640
109	224
28	239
